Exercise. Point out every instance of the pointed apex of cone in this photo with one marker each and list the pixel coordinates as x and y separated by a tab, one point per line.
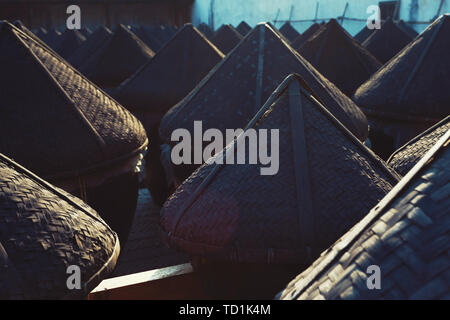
243	28
412	86
334	26
226	38
214	209
289	32
107	67
205	30
187	26
239	85
306	35
167	78
445	17
333	23
385	43
320	50
186	29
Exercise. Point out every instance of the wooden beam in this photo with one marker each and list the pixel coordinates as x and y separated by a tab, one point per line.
317	12
276	17
291	12
343	15
172	283
439	11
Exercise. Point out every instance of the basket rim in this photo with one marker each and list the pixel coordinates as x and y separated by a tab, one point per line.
98	276
24	171
369	111
99	166
420	136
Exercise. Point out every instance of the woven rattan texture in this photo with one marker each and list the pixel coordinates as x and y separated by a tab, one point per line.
226	38
289	32
56	120
118	59
409	242
231	89
336	55
415	83
407	157
301	39
245	214
171	74
386	42
43	234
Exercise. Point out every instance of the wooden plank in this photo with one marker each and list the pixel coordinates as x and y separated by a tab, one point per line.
172	283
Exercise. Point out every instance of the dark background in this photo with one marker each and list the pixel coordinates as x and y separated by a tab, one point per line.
52	13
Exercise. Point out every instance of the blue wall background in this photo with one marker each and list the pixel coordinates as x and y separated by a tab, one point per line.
218	12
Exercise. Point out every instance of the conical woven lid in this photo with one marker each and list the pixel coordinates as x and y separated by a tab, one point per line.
44	230
405	158
171	74
226	38
406	235
414	85
386	42
236	88
98	39
326	181
243	28
289	32
118	60
70	41
339	57
53	120
407	29
301	39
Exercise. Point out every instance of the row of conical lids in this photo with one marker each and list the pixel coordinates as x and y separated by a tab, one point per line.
321	155
61	126
231	212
